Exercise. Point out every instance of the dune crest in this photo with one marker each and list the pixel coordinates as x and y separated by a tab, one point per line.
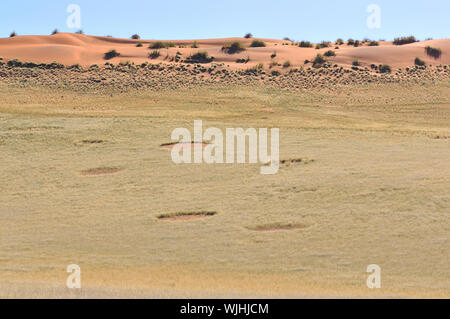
87	50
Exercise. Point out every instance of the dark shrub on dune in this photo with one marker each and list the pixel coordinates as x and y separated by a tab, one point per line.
154	54
136	37
319	61
248	36
200	57
419	62
305	44
161	45
111	54
384	68
329	53
323	44
433	52
257	44
234	47
13	34
405	40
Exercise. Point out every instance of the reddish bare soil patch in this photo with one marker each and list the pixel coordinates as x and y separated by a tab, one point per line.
185	216
296	161
101	171
191	145
277	227
92	142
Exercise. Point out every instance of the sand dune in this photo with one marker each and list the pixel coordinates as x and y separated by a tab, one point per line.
87	50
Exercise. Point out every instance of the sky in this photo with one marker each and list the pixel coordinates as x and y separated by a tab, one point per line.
200	19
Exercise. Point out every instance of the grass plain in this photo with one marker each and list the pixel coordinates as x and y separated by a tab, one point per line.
372	187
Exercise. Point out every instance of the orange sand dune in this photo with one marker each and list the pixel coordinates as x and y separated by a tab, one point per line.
87	50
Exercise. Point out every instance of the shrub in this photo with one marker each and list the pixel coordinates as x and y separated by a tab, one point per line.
154	54
199	57
234	47
257	68
433	52
15	63
384	68
136	37
139	45
248	36
373	44
13	34
287	64
404	40
257	44
55	32
274	55
111	54
329	53
419	62
243	60
305	44
275	73
160	45
55	65
76	66
194	45
318	61
356	63
357	43
79	32
339	41
323	44
350	42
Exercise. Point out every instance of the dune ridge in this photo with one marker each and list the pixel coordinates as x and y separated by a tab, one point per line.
87	50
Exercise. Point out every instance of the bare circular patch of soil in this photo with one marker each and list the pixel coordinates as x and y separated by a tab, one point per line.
185	216
296	161
170	146
92	142
101	171
277	227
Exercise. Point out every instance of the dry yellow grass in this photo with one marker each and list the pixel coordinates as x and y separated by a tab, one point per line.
374	190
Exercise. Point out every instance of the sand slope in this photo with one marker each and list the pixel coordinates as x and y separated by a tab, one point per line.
87	50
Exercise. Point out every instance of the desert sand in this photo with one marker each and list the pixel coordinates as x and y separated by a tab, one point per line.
87	50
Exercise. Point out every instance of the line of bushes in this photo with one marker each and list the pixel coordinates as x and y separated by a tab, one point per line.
20	64
404	40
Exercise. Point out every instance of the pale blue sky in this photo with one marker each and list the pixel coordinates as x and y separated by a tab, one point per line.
189	19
